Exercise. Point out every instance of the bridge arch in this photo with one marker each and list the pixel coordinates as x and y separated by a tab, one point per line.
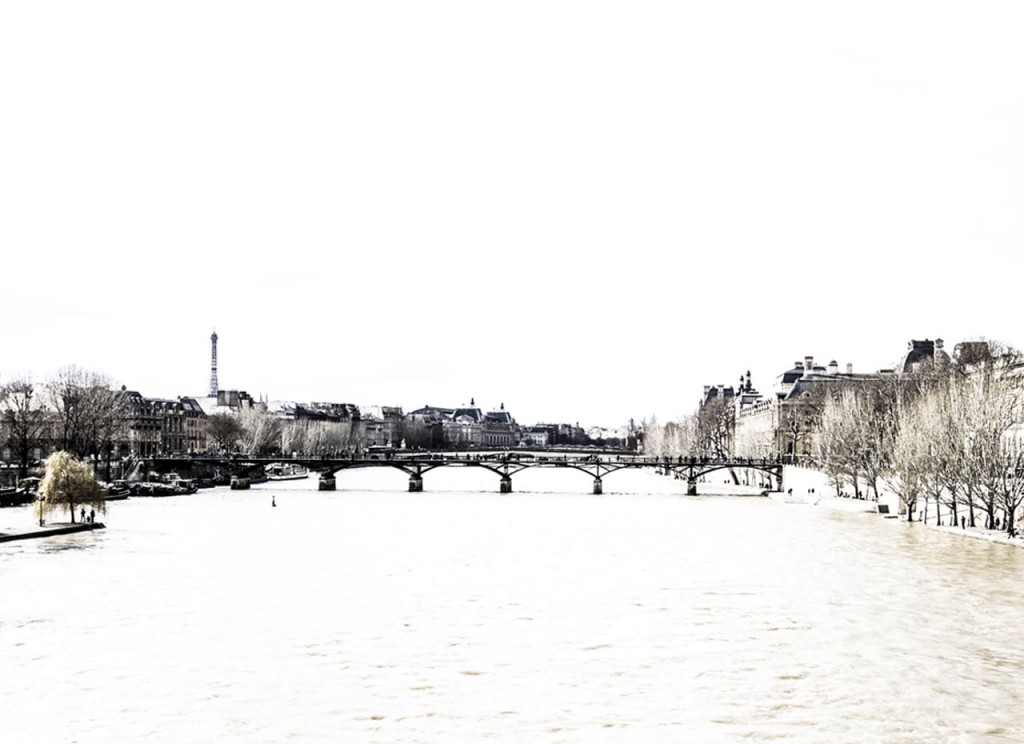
504	464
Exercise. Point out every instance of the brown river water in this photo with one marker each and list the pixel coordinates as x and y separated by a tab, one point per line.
547	615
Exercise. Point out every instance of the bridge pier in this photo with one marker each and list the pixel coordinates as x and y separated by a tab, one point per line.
597	486
415	484
691	487
326	483
506	485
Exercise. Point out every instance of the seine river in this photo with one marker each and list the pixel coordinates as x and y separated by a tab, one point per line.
547	615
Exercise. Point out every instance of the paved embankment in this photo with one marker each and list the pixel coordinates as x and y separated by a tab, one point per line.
50	531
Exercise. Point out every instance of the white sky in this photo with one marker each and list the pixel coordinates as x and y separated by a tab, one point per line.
585	210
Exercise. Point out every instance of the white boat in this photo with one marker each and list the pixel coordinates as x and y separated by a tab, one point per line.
286	471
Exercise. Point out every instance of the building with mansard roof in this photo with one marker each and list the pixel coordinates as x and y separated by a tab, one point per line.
924	356
500	429
783	422
461	428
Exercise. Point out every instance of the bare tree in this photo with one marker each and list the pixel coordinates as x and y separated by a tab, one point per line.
317	437
850	438
681	437
909	455
653	437
260	431
224	429
874	425
715	422
993	407
933	412
87	411
672	440
24	420
835	444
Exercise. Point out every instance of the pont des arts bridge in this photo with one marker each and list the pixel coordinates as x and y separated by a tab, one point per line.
503	464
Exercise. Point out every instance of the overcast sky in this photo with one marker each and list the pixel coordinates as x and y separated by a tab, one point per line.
583	210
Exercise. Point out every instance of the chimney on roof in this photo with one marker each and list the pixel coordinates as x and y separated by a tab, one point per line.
849	368
808	364
833	367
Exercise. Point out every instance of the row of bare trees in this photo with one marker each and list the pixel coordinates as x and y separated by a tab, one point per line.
673	439
257	432
708	433
947	439
76	411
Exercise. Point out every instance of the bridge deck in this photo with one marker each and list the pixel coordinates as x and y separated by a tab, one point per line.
505	464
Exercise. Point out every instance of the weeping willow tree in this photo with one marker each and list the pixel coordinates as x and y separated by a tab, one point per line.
68	484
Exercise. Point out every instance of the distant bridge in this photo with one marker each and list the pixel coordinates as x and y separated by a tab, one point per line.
503	464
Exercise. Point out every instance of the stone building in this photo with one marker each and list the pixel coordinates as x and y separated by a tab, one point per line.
424	427
195	426
141	429
784	422
926	356
464	428
500	429
381	426
467	427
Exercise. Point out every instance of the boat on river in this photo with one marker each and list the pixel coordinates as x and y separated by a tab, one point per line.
280	471
116	491
169	485
25	492
153	488
10	496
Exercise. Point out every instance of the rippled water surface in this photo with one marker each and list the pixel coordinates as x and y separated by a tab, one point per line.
547	615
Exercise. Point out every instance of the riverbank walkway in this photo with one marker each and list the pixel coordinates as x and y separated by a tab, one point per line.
50	530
